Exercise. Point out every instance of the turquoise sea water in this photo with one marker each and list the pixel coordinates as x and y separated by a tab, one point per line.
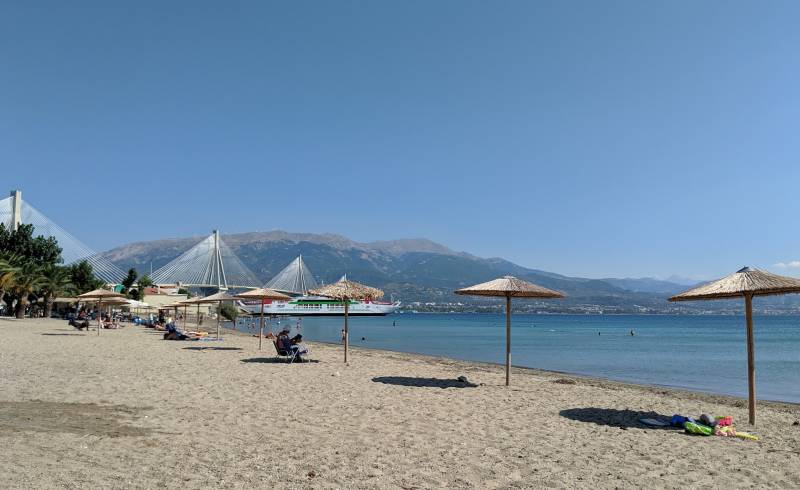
703	353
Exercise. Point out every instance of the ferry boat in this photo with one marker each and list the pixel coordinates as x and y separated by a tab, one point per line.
320	306
296	280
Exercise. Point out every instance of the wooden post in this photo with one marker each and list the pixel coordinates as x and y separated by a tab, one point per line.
346	336
751	368
219	314
261	328
508	340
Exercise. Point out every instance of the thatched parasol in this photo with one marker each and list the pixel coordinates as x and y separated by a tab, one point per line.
262	294
747	282
345	291
509	287
218	298
101	295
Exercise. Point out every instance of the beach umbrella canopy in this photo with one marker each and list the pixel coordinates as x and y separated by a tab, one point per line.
509	287
262	294
102	296
346	290
218	298
746	282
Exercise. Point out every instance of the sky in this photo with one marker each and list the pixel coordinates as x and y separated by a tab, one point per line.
596	139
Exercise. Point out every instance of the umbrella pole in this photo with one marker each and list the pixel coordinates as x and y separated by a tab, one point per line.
346	336
99	315
751	368
508	340
261	327
219	313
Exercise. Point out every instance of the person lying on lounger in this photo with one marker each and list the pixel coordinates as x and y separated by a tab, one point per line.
80	324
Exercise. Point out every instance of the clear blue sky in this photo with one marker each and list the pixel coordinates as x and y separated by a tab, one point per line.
587	138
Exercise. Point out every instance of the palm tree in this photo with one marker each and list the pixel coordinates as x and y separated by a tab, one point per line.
27	280
56	280
8	272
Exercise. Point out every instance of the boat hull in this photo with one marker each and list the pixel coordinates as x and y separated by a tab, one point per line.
311	307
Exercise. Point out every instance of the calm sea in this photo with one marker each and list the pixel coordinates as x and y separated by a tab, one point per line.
703	353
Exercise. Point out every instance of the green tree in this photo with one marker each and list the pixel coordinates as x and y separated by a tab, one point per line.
129	281
145	281
56	280
82	277
28	280
8	272
40	249
229	311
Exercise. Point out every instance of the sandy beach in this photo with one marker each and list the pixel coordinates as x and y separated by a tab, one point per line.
128	410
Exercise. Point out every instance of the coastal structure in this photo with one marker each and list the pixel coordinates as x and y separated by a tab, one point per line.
209	264
14	211
296	280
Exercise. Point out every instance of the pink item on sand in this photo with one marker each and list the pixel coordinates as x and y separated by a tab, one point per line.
725	421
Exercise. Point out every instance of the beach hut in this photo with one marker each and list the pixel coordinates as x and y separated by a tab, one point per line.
347	291
262	294
100	296
509	287
746	282
215	298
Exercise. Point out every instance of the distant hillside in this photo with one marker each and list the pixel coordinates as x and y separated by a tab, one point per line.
413	270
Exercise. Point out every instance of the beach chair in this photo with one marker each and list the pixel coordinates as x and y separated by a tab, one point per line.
284	349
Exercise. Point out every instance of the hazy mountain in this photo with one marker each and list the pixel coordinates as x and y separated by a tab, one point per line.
647	285
411	269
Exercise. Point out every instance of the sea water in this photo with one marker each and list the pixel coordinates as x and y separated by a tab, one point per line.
703	353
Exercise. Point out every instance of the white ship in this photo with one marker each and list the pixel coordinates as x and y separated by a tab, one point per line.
296	280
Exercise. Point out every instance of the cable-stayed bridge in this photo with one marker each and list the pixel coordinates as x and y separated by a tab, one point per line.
14	211
210	263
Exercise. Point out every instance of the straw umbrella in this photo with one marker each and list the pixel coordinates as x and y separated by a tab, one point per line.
746	282
262	294
185	304
345	291
215	298
100	295
509	287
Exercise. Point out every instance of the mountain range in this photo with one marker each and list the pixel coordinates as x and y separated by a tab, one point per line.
417	271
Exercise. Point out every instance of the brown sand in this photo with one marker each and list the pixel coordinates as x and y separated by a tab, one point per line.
127	409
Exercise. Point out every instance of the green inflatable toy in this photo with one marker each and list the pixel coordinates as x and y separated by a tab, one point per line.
698	429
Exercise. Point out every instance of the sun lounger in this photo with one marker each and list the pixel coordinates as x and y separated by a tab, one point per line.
79	324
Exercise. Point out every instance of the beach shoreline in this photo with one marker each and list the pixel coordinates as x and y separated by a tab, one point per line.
128	409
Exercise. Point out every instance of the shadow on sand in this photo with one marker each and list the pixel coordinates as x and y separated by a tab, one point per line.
423	382
277	360
612	417
210	347
70	334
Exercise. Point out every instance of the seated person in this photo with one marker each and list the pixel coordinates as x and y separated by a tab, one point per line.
292	345
108	322
174	333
